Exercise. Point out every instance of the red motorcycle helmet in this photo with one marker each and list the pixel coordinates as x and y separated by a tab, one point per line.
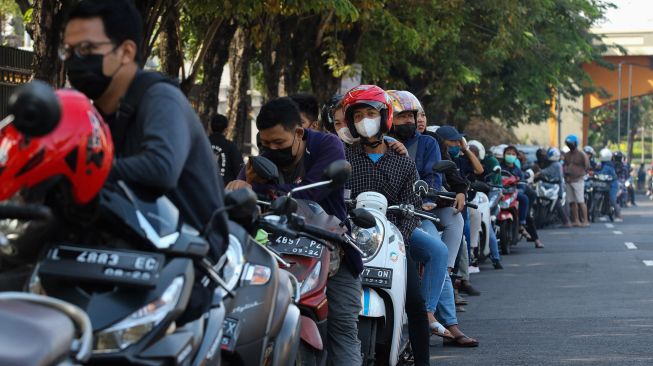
79	149
372	96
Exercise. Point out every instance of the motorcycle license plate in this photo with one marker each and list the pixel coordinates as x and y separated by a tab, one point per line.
301	246
126	267
377	277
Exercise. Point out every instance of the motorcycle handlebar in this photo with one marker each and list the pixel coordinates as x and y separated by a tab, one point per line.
25	212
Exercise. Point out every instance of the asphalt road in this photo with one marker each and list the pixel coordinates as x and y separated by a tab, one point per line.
585	299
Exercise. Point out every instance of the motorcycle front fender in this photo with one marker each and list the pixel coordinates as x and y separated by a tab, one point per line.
287	341
373	305
310	334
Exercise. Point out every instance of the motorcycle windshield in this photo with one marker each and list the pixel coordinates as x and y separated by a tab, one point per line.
314	214
159	211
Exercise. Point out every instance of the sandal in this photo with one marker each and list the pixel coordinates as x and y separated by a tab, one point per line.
458	342
440	331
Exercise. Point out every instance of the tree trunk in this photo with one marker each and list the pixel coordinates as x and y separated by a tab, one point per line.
46	29
240	54
170	51
215	58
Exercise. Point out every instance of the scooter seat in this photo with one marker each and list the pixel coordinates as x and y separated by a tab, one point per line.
33	335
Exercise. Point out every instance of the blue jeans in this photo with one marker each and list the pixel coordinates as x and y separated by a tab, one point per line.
446	313
494	245
467	231
523	207
427	247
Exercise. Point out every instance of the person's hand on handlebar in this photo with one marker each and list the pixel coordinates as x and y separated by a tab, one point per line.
459	203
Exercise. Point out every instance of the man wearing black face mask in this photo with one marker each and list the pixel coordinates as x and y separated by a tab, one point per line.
161	147
302	154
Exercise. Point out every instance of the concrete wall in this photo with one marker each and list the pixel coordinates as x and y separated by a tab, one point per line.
546	133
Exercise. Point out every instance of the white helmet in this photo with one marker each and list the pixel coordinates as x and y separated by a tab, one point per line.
589	150
497	151
480	147
565	149
553	153
433	129
605	154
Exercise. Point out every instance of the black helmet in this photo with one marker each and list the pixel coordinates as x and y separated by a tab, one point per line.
328	109
618	156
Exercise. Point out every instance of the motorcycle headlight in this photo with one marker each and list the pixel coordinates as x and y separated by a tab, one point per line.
231	263
369	240
312	280
131	329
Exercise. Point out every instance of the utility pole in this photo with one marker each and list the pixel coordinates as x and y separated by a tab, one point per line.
629	140
619	109
643	131
559	110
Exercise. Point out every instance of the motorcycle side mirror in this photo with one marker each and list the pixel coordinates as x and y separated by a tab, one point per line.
338	172
283	205
35	109
444	165
362	218
421	188
241	205
479	186
497	169
265	168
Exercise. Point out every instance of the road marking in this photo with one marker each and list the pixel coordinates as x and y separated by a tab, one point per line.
648	263
617	232
609	226
630	245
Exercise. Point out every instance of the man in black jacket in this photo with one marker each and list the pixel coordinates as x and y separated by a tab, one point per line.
229	159
163	148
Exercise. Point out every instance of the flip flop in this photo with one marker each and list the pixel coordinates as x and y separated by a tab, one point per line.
456	342
440	331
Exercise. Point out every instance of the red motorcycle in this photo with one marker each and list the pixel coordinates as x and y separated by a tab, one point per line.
508	216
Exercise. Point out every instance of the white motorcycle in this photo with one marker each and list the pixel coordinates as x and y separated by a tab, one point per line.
547	198
382	326
382	319
481	218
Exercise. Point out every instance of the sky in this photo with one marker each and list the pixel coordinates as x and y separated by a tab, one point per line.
629	15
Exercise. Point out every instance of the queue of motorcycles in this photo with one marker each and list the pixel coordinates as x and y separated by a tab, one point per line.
120	288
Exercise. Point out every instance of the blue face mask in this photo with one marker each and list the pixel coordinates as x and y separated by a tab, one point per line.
510	159
454	151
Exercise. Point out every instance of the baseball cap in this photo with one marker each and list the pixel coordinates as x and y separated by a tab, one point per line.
449	133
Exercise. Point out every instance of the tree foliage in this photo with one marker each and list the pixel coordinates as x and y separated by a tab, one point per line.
502	59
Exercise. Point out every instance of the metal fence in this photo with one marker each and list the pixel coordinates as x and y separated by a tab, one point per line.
15	69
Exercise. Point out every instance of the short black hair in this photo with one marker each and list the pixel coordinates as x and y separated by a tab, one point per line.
280	111
308	105
219	123
511	147
122	21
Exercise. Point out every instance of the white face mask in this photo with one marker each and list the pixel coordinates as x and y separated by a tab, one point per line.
345	136
368	127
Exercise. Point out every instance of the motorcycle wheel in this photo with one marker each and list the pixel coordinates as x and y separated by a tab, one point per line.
505	237
596	210
307	356
367	336
541	215
608	205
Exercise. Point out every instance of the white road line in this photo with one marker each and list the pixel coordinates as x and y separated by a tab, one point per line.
648	263
617	232
630	245
609	226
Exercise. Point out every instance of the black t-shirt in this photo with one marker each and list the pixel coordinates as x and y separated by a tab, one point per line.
228	157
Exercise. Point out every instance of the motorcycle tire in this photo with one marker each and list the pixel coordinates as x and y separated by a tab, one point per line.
595	210
609	208
540	216
308	356
367	335
505	237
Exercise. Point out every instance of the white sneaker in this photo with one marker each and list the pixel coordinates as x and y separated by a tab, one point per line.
474	269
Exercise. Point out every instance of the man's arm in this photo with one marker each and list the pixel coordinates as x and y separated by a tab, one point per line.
165	146
432	156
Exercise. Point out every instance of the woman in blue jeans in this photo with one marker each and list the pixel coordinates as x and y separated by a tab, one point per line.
426	247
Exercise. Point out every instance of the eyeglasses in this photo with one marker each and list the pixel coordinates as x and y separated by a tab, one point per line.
81	50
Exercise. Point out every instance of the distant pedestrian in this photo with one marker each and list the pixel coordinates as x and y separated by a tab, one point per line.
575	166
228	157
309	110
641	177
